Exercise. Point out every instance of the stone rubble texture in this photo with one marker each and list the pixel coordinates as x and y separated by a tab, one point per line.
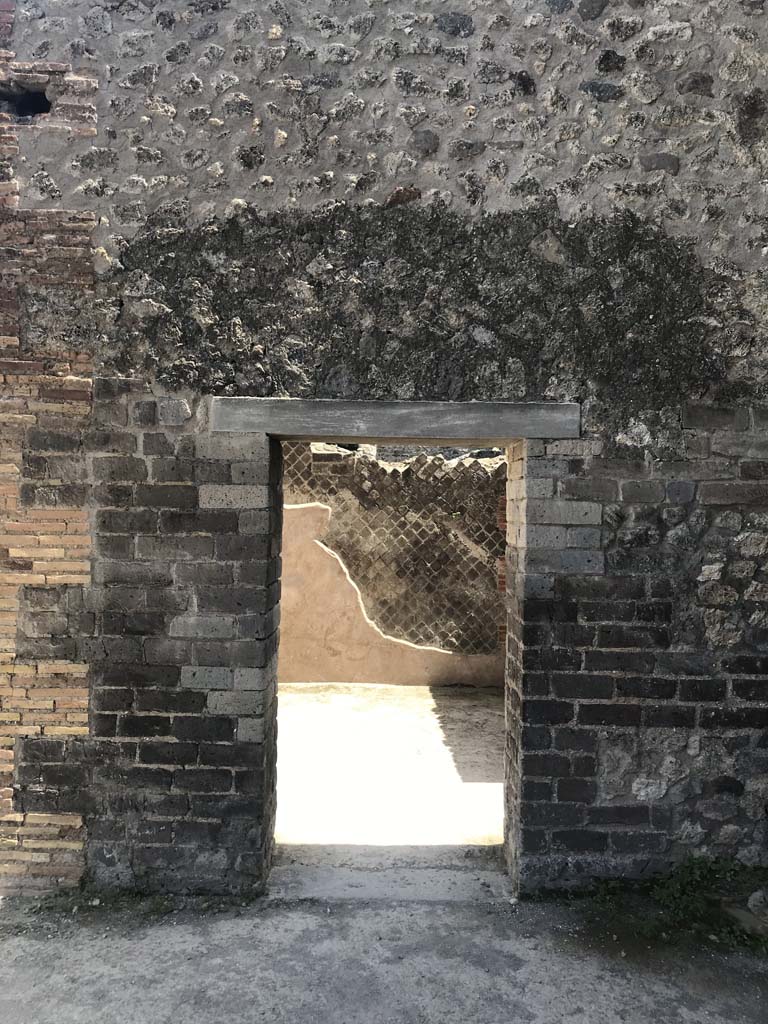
368	199
606	149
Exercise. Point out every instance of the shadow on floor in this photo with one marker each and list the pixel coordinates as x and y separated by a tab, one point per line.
472	723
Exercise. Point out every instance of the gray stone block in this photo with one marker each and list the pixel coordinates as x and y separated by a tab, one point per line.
235	496
700	416
660	162
204	677
145	413
538	488
254	522
256	678
238	600
173	412
111	468
568	513
203	574
258	627
251	472
584	537
546	468
250	730
235	653
233	447
733	492
591	489
642	490
151	574
745	446
570	560
241	702
173	548
545	536
195	522
230	548
172	470
164	651
680	492
208	626
157	496
538	587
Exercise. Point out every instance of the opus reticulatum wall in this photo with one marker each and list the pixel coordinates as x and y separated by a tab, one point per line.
421	538
501	200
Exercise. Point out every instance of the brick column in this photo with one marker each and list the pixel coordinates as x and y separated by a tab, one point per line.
563	543
644	645
44	543
177	779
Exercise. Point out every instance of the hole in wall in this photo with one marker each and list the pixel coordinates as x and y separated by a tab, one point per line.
23	104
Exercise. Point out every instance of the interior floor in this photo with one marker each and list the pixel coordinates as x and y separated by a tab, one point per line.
388	775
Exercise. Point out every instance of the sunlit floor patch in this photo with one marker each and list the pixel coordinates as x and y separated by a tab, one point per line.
389	766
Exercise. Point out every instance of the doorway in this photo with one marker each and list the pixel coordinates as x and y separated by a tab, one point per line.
470	424
391	663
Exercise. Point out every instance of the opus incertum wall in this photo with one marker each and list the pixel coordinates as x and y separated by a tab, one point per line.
500	201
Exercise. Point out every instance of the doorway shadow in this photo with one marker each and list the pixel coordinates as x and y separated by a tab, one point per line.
472	723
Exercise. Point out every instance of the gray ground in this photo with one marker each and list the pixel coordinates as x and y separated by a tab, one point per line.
355	961
357	932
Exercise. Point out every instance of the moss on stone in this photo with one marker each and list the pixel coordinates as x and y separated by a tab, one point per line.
421	302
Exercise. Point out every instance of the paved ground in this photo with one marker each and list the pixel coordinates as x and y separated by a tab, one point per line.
360	962
387	906
389	766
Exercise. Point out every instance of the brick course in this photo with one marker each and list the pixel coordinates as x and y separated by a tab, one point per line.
44	531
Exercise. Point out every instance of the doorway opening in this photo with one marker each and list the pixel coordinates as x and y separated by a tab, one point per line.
391	661
354	423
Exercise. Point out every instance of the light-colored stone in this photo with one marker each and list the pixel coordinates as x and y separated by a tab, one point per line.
206	626
202	677
173	412
232	446
234	496
409	422
250	730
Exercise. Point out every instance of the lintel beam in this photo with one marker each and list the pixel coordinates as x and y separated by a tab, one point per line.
433	423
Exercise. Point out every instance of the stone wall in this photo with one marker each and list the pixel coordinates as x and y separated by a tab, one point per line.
540	199
421	539
641	646
176	779
636	641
